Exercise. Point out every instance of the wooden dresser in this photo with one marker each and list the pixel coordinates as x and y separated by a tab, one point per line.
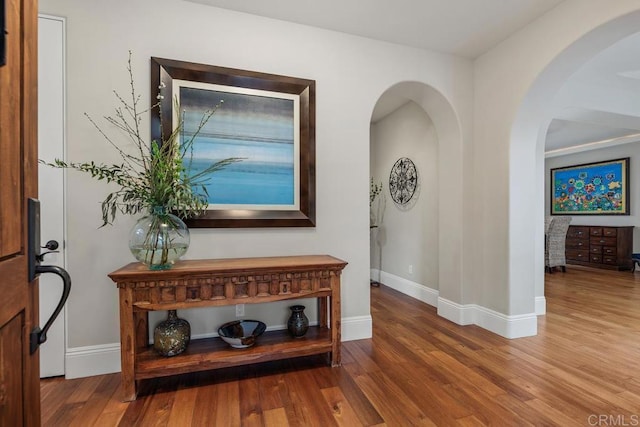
600	246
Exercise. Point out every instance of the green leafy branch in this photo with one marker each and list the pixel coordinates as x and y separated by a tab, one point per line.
156	175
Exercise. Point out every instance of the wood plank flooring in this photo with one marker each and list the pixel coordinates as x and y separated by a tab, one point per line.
418	369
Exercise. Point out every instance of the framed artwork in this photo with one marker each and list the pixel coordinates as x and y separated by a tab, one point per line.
267	120
600	188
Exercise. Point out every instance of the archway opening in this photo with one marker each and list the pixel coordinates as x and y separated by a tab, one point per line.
412	243
527	154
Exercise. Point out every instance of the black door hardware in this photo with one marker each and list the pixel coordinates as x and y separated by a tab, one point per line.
39	336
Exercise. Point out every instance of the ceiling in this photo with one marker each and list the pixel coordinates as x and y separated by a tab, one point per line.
595	107
599	105
462	27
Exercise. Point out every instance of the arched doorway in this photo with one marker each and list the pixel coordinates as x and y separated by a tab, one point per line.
429	266
527	141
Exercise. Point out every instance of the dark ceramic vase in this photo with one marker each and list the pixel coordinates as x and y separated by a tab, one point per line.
298	323
171	336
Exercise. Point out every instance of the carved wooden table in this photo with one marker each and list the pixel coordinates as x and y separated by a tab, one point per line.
219	282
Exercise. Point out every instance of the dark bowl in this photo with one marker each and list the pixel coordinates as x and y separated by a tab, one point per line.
241	333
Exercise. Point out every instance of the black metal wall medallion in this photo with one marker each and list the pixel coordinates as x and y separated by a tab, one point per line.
403	181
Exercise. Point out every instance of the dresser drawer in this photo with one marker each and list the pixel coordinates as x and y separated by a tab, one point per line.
609	232
595	258
595	249
577	243
605	241
595	231
577	255
578	232
608	250
607	259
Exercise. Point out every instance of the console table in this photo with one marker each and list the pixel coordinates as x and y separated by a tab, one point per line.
219	282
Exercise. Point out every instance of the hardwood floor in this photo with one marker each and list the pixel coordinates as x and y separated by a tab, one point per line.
418	369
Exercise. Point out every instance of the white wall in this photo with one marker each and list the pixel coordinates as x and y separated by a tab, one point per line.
631	150
490	230
408	235
514	84
351	73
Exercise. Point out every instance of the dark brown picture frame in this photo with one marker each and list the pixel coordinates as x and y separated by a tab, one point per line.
165	70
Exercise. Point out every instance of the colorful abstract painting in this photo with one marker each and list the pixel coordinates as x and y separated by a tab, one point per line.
600	188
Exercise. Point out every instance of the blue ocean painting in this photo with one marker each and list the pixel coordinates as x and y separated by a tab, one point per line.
259	129
249	182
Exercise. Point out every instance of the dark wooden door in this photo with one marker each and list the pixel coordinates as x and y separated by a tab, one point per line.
19	376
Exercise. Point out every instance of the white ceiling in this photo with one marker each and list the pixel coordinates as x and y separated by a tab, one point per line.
598	105
462	27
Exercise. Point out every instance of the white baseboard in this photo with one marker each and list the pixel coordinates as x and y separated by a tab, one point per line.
517	326
514	326
356	328
92	360
541	306
456	313
407	287
105	359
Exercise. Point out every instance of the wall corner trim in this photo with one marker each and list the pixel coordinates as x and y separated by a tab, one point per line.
456	313
541	306
357	328
508	326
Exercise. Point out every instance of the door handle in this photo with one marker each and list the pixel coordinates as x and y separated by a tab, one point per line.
39	336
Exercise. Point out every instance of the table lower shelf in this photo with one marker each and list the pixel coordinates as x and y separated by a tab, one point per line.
213	353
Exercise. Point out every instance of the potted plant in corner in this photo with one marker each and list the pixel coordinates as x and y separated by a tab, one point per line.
155	178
